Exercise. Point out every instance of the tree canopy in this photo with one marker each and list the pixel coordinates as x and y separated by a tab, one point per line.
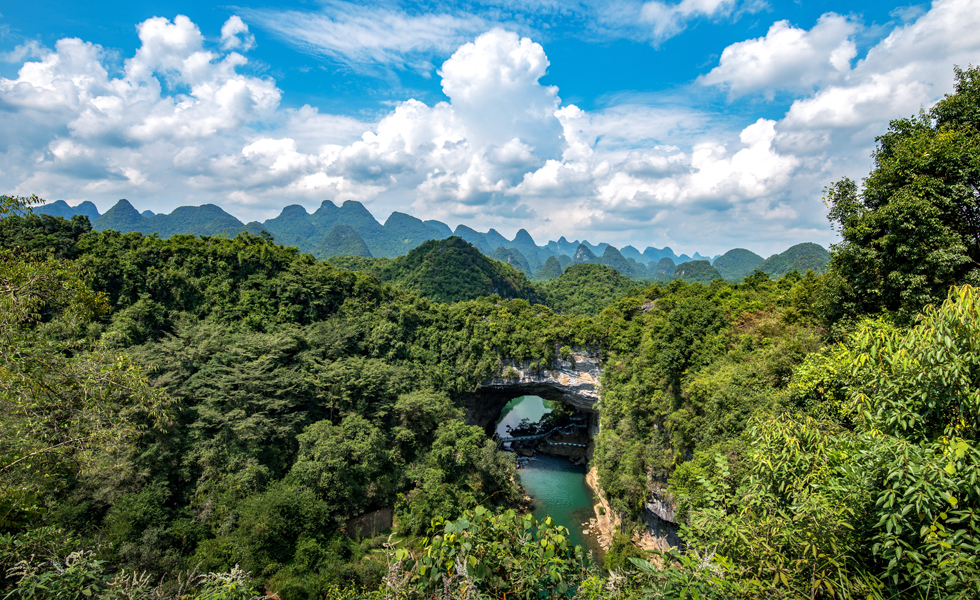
914	228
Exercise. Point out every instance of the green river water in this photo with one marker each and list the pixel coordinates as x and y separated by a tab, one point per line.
557	486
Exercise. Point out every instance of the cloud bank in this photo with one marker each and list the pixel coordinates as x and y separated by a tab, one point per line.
180	123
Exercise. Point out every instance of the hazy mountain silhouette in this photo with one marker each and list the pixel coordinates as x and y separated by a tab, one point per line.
351	230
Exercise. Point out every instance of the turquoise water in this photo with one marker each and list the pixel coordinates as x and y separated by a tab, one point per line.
557	486
559	491
531	408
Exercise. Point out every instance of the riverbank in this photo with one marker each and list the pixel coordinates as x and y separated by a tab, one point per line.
606	523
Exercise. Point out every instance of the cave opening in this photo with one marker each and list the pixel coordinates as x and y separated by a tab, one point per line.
529	425
551	440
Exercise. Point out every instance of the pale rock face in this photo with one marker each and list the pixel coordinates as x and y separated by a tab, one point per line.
574	381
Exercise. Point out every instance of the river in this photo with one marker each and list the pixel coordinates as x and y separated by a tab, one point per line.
557	486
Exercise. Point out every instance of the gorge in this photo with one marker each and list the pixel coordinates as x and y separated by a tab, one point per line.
555	456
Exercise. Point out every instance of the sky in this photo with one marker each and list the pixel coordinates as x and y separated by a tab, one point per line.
702	125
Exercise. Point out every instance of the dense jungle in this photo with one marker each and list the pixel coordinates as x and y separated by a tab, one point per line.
199	417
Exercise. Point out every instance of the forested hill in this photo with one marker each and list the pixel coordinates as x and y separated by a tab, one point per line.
317	234
800	258
449	270
586	289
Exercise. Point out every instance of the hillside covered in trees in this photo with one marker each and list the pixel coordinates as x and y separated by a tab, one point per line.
351	230
201	416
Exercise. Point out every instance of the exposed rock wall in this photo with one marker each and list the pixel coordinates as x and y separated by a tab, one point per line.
660	515
605	523
662	503
370	524
574	381
660	533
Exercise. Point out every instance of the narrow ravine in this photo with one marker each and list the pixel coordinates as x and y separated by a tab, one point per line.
556	484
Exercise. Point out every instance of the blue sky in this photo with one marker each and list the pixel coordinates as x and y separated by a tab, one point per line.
703	124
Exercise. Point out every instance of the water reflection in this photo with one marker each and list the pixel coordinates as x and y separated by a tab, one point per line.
557	486
532	408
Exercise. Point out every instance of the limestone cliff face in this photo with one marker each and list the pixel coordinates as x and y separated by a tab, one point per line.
574	381
660	516
660	532
661	503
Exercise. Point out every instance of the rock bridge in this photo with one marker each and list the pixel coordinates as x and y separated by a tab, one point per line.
574	381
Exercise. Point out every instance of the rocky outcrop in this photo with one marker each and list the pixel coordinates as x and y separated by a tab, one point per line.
662	503
660	516
370	524
572	442
604	524
574	381
660	532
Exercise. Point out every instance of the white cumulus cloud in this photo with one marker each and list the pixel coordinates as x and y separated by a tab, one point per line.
235	35
787	57
182	124
909	69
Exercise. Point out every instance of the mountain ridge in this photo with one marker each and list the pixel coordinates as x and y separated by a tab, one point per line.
401	232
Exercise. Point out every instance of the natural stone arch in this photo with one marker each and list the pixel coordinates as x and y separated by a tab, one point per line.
574	381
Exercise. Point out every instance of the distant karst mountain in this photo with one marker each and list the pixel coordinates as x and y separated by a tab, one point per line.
665	268
60	208
697	270
350	229
654	255
512	257
584	255
800	258
735	264
207	219
342	241
550	270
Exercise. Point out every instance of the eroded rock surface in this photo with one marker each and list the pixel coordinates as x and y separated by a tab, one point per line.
660	515
662	503
574	381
